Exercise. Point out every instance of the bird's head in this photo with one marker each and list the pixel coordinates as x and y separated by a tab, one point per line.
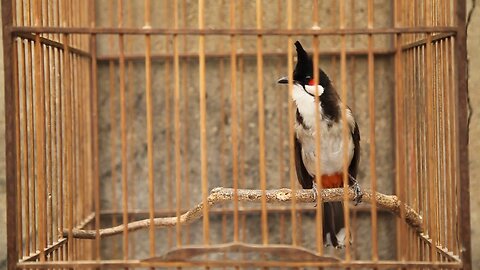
303	73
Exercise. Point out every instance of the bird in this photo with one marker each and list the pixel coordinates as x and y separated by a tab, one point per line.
331	142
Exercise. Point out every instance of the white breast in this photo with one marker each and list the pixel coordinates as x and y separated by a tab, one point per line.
331	137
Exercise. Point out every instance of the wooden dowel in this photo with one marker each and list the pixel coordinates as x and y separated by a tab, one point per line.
40	141
292	175
233	112
176	96
280	99
261	124
168	126
26	128
148	97
186	120
345	128
203	122
371	102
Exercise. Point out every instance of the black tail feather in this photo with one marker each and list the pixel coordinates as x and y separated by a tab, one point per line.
333	223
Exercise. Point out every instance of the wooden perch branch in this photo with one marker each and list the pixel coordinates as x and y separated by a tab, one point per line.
220	195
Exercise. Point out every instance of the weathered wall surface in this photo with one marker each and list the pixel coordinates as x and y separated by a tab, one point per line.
218	83
473	45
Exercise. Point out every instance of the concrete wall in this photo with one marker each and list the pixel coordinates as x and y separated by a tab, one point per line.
473	45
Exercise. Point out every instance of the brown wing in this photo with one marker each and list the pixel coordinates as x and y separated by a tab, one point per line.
304	178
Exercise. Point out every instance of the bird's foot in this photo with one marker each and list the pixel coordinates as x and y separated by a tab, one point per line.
357	191
315	194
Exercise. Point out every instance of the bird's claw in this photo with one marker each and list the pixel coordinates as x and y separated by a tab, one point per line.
358	193
315	194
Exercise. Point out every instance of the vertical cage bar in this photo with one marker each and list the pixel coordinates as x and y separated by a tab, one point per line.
168	112
333	21
261	123
40	137
242	150
354	223
293	211
55	141
431	169
123	130
418	139
438	139
442	187
113	140
415	142
131	116
454	137
68	145
26	105
94	132
26	170
90	158
448	147
371	110
61	135
399	137
176	94
186	140
450	143
84	129
281	124
33	232
148	97
16	88
345	128
223	170
86	94
78	201
48	133
76	190
70	134
61	146
318	154
233	72
113	127
203	124
11	138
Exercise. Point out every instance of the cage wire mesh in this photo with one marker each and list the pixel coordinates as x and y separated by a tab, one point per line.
131	112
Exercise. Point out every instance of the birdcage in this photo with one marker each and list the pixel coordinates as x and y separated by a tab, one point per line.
153	133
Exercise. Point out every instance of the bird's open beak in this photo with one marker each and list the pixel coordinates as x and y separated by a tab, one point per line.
283	80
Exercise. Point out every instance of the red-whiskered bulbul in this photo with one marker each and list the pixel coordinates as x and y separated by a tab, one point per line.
331	142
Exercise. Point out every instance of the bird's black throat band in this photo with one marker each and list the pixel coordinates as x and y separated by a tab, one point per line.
303	87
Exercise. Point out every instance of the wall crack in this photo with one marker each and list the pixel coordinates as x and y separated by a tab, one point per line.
469	103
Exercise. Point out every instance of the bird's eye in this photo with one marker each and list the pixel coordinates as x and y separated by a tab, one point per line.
309	80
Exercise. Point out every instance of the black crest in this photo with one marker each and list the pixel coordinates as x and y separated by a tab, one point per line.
304	69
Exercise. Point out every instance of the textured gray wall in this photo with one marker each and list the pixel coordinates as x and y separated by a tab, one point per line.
137	133
473	44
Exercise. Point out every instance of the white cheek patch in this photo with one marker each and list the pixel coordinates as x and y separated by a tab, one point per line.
311	89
